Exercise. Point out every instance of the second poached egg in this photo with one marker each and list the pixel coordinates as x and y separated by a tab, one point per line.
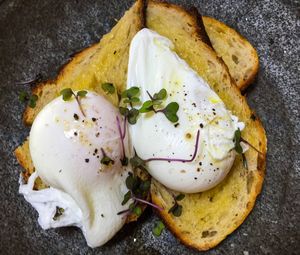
154	66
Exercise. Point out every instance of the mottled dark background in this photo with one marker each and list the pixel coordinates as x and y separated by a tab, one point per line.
39	36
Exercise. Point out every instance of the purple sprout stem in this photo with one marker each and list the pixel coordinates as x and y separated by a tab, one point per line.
179	160
124	128
245	141
148	203
121	135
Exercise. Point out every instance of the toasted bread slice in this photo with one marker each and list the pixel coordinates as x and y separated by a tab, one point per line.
105	61
238	54
208	217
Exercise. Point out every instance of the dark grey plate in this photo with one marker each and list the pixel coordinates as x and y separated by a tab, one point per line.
39	36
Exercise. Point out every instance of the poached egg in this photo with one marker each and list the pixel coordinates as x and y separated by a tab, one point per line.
66	149
153	65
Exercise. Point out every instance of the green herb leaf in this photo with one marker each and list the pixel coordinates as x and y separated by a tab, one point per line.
135	100
145	185
179	197
161	95
237	140
158	228
109	88
131	92
137	210
176	210
146	107
58	213
131	182
66	94
127	196
32	101
136	161
23	96
132	116
124	111
82	93
106	160
171	111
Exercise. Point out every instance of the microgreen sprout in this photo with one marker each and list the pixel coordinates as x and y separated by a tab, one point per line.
158	228
238	148
176	209
138	191
30	99
105	159
130	96
67	93
109	88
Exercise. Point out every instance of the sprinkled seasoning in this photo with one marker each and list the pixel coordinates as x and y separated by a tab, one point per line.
87	160
76	117
201	125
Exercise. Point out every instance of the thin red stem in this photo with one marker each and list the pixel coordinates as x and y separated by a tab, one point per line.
148	203
180	160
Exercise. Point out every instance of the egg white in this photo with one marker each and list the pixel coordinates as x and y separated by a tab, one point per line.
65	147
153	66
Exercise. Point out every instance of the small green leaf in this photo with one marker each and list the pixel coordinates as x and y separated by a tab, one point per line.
145	185
158	228
130	182
66	94
179	197
131	206
160	95
109	88
106	160
58	213
124	111
32	101
137	210
132	116
146	107
176	210
127	196
82	93
136	161
135	100
23	96
171	112
237	140
131	92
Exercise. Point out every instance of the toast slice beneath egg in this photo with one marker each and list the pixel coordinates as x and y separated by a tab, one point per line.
208	217
102	62
238	54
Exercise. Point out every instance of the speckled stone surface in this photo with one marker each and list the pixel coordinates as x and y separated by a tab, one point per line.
39	36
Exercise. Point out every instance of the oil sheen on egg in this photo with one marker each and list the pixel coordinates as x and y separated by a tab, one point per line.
65	147
153	66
